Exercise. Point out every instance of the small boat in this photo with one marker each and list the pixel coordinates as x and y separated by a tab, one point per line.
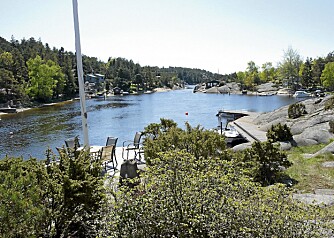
98	95
301	94
232	136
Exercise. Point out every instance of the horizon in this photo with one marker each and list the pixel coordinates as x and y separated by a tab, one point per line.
217	36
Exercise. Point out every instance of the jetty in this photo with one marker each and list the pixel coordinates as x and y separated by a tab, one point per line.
243	123
8	110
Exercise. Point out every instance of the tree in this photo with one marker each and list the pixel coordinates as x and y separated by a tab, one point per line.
43	78
290	66
7	80
327	76
23	209
305	73
268	72
318	66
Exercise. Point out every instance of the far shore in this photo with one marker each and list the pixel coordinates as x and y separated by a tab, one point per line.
18	110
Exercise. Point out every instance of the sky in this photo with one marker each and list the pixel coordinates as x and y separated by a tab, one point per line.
215	35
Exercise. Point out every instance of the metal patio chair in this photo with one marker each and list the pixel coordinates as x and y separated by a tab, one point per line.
134	146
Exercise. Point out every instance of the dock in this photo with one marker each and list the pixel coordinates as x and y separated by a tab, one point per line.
8	110
245	126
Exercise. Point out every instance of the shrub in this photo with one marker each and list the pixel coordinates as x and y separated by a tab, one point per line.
59	197
265	161
296	110
180	200
329	104
279	132
331	126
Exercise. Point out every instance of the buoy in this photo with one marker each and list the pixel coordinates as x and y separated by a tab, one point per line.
186	113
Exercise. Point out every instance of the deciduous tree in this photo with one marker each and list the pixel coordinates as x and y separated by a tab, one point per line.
327	76
290	66
44	77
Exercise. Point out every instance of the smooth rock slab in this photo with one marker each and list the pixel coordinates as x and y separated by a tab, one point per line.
318	199
328	164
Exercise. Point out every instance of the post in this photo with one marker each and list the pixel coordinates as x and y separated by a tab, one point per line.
80	74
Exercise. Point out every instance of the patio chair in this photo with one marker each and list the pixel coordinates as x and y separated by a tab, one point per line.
72	144
134	145
107	157
112	141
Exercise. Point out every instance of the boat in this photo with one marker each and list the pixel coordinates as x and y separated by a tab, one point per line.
301	94
232	136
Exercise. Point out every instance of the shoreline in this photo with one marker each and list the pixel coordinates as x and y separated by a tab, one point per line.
23	109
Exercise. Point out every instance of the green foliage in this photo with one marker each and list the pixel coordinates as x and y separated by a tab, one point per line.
290	66
331	126
268	72
329	104
167	136
279	132
59	197
44	78
296	110
23	208
75	193
265	161
209	197
327	76
305	73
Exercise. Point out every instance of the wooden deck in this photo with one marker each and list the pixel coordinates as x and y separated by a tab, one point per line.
247	128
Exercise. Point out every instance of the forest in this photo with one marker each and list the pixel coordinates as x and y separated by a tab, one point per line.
32	73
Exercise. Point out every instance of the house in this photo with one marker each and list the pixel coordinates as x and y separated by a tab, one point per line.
94	82
211	84
95	78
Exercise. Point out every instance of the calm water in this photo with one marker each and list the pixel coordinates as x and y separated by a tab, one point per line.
31	132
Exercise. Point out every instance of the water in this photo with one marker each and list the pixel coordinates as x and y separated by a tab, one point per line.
29	133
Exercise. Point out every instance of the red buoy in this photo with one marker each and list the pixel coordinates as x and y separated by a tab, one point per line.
186	113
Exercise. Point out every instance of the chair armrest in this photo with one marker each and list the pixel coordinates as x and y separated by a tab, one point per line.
127	141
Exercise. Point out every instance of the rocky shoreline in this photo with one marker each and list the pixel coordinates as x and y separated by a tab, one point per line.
309	129
266	89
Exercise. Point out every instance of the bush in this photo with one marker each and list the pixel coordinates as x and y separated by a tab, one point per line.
59	197
265	160
329	104
296	110
183	198
331	126
279	133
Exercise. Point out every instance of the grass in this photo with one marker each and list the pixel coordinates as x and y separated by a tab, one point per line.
309	172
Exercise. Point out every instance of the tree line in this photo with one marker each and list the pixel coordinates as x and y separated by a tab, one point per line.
291	72
32	72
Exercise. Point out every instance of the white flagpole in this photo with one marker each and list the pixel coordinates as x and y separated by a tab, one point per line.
80	74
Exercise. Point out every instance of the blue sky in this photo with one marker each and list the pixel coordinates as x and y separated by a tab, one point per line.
208	34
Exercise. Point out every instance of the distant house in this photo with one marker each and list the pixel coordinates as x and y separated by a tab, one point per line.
94	82
95	78
211	84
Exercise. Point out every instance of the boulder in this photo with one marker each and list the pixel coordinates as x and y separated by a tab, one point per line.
328	149
242	146
267	87
309	129
317	199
